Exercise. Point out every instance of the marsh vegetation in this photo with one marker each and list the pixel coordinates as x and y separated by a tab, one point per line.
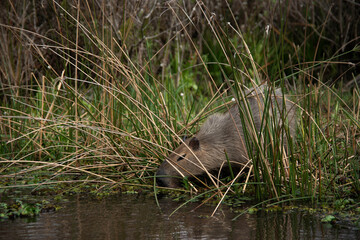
98	93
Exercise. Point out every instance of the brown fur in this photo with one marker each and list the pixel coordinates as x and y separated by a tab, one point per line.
220	134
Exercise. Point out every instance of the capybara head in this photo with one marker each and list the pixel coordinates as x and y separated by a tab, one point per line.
180	163
204	152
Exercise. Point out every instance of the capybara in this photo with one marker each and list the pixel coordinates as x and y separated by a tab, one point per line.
221	137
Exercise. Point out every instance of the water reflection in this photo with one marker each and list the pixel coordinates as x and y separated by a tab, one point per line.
138	217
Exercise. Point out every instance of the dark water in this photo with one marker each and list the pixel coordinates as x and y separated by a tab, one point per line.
138	217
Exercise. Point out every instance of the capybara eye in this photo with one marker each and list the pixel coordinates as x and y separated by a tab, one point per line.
181	157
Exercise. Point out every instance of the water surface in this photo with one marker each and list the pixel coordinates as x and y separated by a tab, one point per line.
138	217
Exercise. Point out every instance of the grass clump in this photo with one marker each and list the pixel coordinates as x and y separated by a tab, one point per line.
101	92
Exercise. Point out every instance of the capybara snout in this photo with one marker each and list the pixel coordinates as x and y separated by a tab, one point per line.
164	180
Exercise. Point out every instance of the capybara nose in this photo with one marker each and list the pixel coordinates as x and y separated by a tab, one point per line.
164	180
160	179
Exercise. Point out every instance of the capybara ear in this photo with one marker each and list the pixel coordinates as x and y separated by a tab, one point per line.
194	143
